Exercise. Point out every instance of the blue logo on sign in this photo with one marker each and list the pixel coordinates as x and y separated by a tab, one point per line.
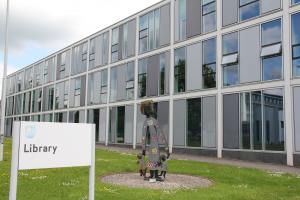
30	132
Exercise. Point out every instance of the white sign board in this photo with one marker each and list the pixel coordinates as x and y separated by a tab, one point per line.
41	145
54	145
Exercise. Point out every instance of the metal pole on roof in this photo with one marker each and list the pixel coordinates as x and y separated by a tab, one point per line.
4	84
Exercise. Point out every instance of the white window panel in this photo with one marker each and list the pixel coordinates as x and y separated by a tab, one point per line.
271	50
229	59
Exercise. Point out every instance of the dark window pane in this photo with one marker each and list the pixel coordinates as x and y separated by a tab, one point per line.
274	120
231	75
209	76
194	122
121	124
179	72
256	120
272	68
271	32
245	120
230	43
249	11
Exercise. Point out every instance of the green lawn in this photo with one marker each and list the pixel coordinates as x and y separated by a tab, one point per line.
72	183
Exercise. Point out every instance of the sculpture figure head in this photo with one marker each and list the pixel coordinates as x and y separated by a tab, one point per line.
147	108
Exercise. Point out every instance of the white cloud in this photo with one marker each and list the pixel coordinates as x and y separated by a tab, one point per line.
55	24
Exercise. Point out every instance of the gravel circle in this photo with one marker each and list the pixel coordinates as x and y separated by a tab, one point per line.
172	181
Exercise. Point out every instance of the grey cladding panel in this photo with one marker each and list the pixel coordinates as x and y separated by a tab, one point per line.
193	18
152	75
250	55
167	75
129	124
165	25
209	122
230	12
179	123
120	42
269	5
163	117
82	90
297	118
231	121
194	67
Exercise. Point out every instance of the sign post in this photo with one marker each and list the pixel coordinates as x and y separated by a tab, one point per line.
42	145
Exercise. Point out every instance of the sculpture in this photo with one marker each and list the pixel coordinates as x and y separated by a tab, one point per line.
150	141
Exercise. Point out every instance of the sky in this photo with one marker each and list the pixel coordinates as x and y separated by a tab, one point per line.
38	28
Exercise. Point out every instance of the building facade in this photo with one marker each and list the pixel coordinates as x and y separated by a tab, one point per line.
224	75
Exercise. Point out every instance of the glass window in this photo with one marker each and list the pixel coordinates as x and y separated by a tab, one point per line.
142	77
179	73
249	9
231	75
274	119
115	45
295	1
36	100
162	73
194	122
125	41
296	44
230	43
271	32
256	119
271	50
208	16
182	19
245	120
272	68
103	95
113	84
209	63
130	81
77	92
143	35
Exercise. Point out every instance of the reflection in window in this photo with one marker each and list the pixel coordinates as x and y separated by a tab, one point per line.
142	77
113	84
77	92
208	15
130	81
296	44
115	45
231	75
230	59
179	73
271	50
249	9
194	122
256	120
103	89
182	19
272	68
273	119
162	74
149	31
209	63
245	120
295	1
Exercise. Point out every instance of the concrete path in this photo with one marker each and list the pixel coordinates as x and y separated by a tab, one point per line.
239	163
